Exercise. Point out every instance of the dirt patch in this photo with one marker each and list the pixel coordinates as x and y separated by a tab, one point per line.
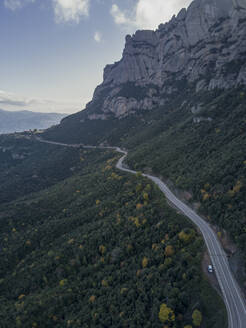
228	245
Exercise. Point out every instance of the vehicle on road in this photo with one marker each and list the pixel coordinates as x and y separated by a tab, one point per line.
210	268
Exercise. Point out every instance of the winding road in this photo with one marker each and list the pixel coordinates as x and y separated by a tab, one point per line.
233	297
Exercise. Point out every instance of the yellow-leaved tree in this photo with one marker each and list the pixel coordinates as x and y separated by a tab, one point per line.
185	237
145	196
145	262
169	251
102	249
92	299
166	314
197	318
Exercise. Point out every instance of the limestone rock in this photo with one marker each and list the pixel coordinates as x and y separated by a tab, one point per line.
204	45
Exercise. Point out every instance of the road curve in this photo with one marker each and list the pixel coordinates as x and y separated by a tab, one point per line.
233	297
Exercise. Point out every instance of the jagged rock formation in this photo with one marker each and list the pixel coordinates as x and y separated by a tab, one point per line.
204	45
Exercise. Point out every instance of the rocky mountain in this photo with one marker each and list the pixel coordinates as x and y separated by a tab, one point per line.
204	46
81	239
27	120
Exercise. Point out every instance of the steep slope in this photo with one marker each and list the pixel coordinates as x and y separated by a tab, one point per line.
205	157
177	100
203	48
26	166
25	120
98	248
205	45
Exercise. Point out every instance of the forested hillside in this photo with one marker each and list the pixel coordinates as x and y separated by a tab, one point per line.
98	248
83	244
196	140
27	166
206	157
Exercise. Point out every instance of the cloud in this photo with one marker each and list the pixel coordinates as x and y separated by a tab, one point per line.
7	98
148	14
70	10
64	10
16	4
11	101
119	16
98	37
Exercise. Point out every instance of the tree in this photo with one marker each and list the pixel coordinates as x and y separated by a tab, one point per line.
145	262
145	196
102	249
166	314
197	318
169	251
185	237
92	299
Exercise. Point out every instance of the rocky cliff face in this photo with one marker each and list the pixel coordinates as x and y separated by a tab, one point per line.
205	46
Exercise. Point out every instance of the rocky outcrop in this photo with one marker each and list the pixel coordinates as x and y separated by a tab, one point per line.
204	45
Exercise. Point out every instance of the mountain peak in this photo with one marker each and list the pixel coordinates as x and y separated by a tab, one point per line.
218	7
204	45
214	7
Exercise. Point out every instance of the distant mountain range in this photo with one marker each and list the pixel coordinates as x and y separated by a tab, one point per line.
26	120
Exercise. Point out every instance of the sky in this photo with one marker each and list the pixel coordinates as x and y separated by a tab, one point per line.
52	52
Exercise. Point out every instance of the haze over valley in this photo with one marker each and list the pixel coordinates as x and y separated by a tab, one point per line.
20	121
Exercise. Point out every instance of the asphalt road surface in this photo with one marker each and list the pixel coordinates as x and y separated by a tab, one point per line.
233	297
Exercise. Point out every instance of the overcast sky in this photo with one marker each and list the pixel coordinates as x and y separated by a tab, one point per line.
53	51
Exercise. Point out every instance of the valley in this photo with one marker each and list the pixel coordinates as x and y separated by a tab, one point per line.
92	231
94	246
233	297
18	121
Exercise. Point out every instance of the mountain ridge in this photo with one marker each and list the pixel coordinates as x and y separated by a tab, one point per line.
204	46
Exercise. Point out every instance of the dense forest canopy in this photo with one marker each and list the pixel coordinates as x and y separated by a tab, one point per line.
98	248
